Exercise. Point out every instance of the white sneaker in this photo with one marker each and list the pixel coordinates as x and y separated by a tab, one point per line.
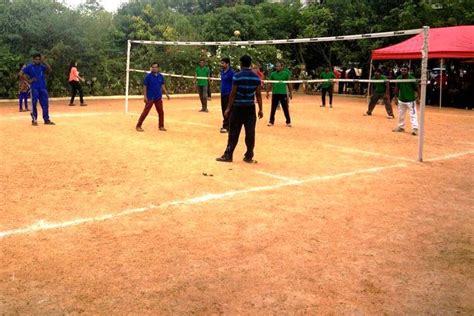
288	125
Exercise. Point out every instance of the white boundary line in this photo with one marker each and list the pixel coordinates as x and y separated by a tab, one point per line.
43	225
28	117
370	153
176	121
447	157
276	176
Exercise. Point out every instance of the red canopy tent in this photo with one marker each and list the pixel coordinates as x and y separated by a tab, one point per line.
444	42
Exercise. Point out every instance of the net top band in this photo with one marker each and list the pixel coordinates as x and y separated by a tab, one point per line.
284	41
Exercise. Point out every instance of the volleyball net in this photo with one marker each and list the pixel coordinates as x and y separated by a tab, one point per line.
188	53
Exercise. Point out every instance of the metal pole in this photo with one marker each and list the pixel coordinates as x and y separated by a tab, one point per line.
370	85
441	83
424	72
127	80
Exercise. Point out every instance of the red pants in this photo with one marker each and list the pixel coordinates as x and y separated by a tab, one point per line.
159	108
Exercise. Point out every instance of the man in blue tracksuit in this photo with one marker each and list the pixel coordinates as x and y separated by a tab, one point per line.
226	87
35	72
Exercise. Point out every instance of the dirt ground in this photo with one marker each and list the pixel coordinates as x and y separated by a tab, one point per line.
337	216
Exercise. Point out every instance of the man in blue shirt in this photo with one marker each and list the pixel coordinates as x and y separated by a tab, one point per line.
153	85
35	72
227	75
241	108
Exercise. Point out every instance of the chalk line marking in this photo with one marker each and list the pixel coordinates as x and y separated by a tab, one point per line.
43	225
178	121
54	115
447	157
468	143
369	153
271	175
449	114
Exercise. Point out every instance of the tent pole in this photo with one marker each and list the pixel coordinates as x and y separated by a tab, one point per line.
441	83
424	72
127	80
369	94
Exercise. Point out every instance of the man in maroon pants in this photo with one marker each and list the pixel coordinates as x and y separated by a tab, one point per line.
153	88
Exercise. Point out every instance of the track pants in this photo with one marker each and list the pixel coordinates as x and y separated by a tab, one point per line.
402	108
159	108
202	90
23	98
375	98
283	100
40	95
224	102
76	87
241	115
323	95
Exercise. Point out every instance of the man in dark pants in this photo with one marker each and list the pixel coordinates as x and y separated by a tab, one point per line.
227	74
326	87
241	107
280	94
380	90
202	84
35	72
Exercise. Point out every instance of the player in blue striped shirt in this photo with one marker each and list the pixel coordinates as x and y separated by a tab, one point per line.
241	108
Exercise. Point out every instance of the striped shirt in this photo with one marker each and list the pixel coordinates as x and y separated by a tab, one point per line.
247	82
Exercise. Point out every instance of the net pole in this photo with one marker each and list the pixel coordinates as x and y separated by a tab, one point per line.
441	82
127	80
424	72
369	94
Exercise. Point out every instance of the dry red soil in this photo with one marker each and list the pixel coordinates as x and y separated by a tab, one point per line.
337	216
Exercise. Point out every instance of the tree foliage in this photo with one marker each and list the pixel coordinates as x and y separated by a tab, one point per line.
97	39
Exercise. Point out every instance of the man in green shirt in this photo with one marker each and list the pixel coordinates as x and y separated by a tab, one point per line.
202	84
280	94
380	90
405	97
327	86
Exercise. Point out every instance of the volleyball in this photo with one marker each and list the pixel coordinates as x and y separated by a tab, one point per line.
237	33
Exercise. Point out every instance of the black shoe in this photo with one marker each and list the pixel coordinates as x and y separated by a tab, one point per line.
224	159
34	123
49	123
367	114
248	160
